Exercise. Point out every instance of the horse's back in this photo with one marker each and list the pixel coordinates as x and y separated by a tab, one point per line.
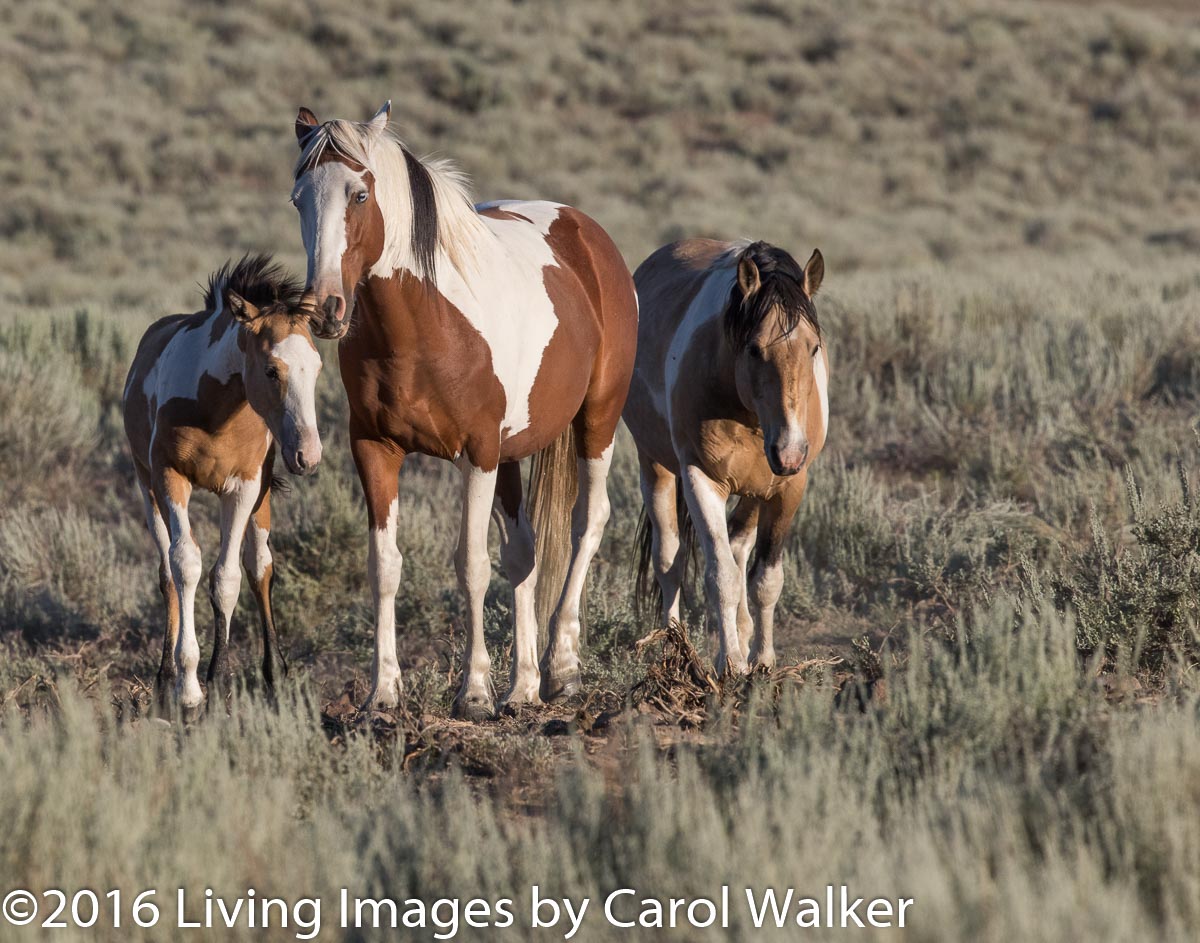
139	423
669	282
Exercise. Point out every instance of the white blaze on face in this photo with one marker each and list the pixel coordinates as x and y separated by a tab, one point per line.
322	196
300	402
821	379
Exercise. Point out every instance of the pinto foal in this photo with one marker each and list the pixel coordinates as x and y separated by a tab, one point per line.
208	399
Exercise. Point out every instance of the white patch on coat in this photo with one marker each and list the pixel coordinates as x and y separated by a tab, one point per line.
707	305
190	355
503	296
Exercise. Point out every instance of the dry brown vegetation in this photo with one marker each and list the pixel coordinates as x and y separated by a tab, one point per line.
991	607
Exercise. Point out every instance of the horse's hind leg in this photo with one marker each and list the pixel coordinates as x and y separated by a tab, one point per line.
258	564
520	566
225	580
595	426
165	682
667	553
743	525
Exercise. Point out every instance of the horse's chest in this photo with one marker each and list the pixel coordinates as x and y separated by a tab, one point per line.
732	454
209	456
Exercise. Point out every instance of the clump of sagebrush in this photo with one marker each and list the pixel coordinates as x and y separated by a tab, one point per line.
1138	603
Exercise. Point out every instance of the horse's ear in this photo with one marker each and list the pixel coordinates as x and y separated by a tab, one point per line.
814	272
379	122
241	309
305	122
748	277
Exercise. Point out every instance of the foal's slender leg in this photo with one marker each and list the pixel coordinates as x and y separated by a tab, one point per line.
560	663
658	494
706	504
225	578
520	566
257	562
474	567
165	683
766	579
378	466
743	524
174	491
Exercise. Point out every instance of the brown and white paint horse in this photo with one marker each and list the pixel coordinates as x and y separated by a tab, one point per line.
729	397
209	398
481	335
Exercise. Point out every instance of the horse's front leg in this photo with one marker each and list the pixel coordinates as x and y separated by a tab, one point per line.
766	578
474	566
174	491
225	580
722	581
378	465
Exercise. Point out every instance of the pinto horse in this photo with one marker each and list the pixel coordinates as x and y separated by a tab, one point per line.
481	335
729	397
208	398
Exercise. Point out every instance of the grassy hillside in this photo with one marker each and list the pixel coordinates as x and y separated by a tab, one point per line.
144	147
991	603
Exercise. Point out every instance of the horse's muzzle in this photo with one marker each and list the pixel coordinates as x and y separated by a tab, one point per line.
329	319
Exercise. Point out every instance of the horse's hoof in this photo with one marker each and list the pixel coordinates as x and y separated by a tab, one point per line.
384	698
191	714
474	707
556	689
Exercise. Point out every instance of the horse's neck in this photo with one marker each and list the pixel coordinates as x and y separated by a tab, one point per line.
227	354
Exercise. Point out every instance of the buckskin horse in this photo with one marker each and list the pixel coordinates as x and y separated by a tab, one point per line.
481	335
208	399
729	397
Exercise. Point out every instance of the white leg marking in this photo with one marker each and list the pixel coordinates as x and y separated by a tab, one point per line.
561	661
765	590
186	568
384	563
721	582
741	543
225	582
474	567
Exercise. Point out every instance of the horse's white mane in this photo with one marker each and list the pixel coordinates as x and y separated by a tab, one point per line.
387	158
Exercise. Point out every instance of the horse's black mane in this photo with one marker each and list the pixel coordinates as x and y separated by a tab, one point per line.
258	278
781	291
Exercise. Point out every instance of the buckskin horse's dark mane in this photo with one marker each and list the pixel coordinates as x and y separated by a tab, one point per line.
781	290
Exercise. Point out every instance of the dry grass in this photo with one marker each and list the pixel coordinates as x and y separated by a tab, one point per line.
990	702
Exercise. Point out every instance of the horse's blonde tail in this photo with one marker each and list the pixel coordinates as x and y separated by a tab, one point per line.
553	488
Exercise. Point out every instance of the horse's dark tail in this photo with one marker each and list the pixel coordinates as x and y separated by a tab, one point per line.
647	593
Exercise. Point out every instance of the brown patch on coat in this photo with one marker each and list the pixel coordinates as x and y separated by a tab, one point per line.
419	375
593	295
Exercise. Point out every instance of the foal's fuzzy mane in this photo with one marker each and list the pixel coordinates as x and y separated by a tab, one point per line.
438	194
781	291
258	278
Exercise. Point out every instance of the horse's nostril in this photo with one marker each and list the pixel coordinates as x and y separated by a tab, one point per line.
335	307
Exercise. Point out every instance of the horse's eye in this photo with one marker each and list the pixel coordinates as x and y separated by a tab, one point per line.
755	351
361	197
272	373
816	347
